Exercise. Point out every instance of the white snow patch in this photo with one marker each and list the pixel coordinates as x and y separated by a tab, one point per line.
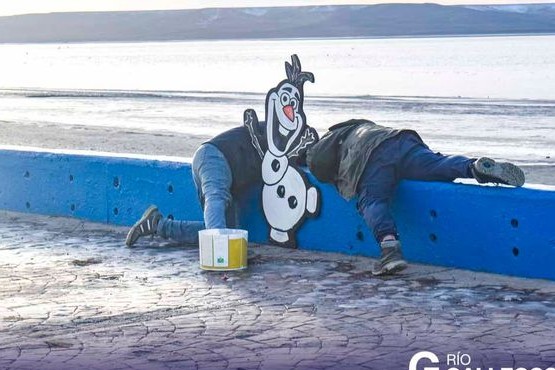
257	12
516	8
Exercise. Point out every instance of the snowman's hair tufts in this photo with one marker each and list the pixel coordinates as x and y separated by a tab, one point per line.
294	74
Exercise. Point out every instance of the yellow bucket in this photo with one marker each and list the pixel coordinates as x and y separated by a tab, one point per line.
223	249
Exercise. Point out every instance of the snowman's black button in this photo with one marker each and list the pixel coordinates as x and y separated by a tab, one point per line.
292	202
281	191
275	165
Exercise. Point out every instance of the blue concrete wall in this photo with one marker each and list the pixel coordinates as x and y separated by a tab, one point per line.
484	228
105	189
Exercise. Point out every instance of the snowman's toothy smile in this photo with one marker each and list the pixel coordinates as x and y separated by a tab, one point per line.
282	127
283	130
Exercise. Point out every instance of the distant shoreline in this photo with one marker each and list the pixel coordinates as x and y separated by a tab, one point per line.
146	41
34	92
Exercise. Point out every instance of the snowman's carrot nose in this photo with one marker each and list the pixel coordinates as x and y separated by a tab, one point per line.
288	110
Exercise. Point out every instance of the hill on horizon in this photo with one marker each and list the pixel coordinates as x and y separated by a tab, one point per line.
380	20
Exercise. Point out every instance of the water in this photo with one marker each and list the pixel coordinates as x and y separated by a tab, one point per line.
470	95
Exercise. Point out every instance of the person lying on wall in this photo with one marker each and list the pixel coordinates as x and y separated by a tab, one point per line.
223	167
367	160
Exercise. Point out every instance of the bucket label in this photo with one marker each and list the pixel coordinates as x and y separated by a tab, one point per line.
206	255
221	251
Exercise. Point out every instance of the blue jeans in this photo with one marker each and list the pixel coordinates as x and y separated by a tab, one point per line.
401	157
213	179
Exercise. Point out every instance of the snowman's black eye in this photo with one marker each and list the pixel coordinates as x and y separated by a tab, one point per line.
281	191
294	103
284	99
292	202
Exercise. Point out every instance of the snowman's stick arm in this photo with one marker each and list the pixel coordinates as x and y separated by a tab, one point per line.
308	138
251	121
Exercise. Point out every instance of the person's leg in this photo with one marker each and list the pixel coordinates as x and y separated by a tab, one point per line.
375	191
213	178
420	163
213	175
376	188
147	225
488	170
185	232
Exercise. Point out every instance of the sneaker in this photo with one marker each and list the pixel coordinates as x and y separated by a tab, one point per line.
147	225
487	170
391	260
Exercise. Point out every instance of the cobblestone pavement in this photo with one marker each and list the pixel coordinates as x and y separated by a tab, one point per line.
73	297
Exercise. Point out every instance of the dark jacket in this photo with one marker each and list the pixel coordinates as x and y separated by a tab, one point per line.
243	159
355	140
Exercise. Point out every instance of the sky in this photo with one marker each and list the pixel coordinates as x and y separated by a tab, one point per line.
12	7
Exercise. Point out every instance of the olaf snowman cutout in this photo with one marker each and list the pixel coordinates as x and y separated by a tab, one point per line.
287	196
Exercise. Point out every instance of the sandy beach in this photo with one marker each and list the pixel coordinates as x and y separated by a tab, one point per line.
104	139
112	140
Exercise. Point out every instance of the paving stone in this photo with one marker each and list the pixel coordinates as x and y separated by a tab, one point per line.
72	296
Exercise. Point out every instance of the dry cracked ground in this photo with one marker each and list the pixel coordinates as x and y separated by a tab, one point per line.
73	297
